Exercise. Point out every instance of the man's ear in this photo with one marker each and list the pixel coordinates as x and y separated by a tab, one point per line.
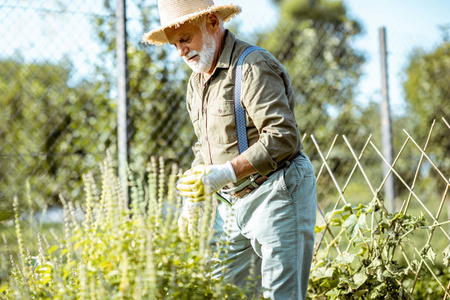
212	23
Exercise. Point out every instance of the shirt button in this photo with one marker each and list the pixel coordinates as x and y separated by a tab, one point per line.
220	111
204	110
206	138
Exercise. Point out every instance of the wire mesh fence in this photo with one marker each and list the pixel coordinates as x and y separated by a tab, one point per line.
58	108
56	120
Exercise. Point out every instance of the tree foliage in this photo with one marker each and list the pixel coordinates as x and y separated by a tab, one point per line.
313	40
48	127
427	92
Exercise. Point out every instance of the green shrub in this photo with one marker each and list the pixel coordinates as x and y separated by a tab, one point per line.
113	252
362	255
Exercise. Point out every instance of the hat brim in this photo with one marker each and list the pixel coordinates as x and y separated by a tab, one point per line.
158	37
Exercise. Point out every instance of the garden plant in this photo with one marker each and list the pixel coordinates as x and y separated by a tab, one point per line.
116	252
112	250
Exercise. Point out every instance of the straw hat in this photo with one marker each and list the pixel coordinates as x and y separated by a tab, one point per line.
174	13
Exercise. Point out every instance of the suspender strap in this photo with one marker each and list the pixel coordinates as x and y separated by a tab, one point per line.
241	127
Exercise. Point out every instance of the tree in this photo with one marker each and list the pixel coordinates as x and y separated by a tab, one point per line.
50	131
427	91
313	41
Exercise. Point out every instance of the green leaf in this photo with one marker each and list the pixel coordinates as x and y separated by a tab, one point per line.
378	292
362	250
332	213
318	229
428	252
328	284
362	221
336	222
447	256
360	293
431	255
415	265
361	208
353	225
345	258
359	279
348	284
321	273
397	216
374	265
350	226
333	294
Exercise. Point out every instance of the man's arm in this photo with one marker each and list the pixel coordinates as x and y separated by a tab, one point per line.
242	167
268	99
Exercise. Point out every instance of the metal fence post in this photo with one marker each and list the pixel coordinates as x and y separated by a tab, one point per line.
386	128
123	95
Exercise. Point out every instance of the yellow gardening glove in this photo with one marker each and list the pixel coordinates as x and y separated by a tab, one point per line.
205	180
190	184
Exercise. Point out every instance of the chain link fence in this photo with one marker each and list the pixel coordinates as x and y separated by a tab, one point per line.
58	106
56	118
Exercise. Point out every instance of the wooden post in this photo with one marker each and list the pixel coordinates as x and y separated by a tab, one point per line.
386	129
123	96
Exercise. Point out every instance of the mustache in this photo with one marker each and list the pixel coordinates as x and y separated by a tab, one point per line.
191	54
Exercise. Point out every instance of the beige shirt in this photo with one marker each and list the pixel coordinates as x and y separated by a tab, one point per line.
268	99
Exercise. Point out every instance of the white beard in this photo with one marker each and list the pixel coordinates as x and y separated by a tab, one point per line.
206	55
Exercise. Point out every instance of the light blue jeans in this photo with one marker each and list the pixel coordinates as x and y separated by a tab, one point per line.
272	229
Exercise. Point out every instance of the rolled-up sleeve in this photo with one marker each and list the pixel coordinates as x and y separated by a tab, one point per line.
265	98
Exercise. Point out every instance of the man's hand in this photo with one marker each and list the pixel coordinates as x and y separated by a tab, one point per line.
190	184
205	180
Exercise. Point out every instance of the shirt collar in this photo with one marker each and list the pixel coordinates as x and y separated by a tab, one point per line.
225	57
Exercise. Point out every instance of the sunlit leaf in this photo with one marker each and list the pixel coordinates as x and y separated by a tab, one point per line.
446	259
359	279
345	258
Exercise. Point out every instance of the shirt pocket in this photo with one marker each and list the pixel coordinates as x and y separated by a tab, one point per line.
222	123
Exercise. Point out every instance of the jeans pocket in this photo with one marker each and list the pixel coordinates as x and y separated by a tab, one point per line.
289	179
296	173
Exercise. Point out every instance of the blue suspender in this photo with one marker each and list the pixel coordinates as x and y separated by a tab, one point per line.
241	127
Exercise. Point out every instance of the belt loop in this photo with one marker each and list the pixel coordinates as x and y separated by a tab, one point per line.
254	184
252	181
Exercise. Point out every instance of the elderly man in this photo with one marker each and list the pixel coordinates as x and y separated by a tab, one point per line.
248	153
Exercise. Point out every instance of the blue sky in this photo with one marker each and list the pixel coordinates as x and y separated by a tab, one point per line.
409	24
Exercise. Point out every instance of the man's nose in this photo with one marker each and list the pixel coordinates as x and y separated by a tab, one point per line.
182	50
